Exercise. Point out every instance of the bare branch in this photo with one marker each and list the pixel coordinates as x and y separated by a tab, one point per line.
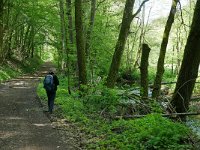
139	9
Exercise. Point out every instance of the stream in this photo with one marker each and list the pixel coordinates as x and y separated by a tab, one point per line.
194	124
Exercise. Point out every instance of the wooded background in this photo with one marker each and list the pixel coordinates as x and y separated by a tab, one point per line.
108	40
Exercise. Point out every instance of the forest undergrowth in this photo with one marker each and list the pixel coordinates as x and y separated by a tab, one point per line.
94	111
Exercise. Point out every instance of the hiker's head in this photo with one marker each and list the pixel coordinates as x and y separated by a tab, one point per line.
52	71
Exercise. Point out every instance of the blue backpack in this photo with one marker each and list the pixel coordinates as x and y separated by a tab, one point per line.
48	83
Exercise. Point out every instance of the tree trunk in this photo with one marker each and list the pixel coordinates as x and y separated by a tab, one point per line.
80	43
161	59
70	25
63	32
1	30
119	48
25	39
71	40
141	39
144	71
88	39
32	44
91	25
189	67
9	48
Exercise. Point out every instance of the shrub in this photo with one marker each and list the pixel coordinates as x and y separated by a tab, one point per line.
100	98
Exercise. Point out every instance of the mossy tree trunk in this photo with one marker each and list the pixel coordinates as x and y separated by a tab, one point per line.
144	71
70	23
70	42
63	33
91	25
1	30
88	38
119	48
189	67
80	43
161	59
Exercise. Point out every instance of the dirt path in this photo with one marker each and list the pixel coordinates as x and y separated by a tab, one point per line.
23	125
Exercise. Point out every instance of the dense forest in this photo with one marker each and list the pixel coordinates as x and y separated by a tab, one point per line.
128	79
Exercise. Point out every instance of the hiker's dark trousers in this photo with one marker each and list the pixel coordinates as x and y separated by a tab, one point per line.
51	97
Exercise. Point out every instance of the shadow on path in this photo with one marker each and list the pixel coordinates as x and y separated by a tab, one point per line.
23	125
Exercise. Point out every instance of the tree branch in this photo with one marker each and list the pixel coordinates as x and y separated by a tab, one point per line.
139	9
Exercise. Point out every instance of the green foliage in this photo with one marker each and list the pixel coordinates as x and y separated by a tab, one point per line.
31	64
15	68
99	97
7	72
150	132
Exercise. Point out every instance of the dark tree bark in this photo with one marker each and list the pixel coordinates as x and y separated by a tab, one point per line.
80	43
144	71
189	67
1	30
71	40
63	33
70	24
32	43
9	48
119	48
88	37
161	59
91	25
25	39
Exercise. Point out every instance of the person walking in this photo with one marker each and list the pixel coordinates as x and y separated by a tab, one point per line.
50	84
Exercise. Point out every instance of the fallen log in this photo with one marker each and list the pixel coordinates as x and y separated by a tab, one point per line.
165	83
173	115
195	98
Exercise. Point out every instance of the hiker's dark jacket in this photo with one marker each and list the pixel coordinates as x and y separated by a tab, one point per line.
55	81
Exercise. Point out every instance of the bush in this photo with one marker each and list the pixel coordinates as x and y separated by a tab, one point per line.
100	98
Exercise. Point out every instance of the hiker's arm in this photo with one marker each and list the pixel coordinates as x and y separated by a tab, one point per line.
56	80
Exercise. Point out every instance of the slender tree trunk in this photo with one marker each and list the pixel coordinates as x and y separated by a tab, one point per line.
71	40
70	23
88	35
80	43
9	49
63	32
144	71
1	30
141	39
172	60
25	39
161	59
91	25
32	44
189	67
21	38
119	48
